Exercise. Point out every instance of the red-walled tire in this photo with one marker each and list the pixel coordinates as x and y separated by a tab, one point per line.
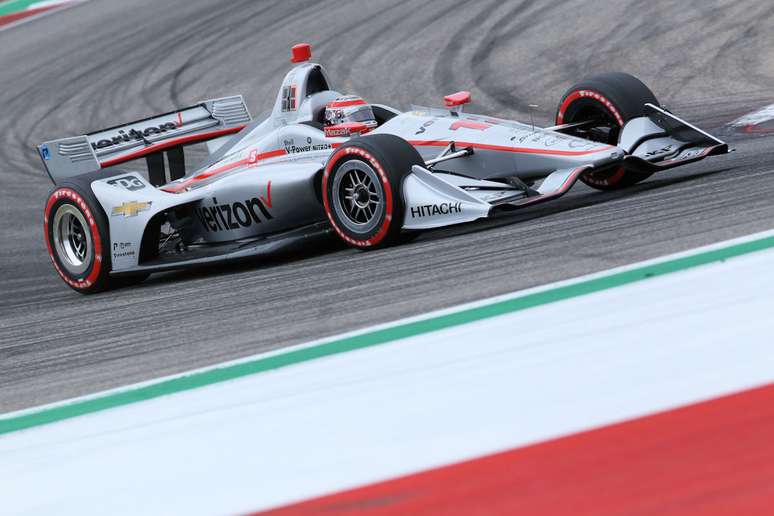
77	239
613	99
362	189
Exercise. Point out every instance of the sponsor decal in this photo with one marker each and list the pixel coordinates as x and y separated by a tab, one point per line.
577	143
662	150
337	131
609	105
424	126
292	148
122	249
131	208
135	135
230	216
429	210
489	121
45	153
689	154
289	98
127	182
550	139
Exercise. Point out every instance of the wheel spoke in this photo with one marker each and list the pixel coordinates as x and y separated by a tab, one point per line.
70	239
360	197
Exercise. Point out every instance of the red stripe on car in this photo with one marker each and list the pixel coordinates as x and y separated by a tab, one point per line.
503	148
253	158
150	149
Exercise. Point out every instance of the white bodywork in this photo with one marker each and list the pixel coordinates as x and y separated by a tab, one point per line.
263	177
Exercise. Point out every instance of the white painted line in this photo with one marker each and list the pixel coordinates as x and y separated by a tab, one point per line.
57	8
429	315
755	118
48	3
427	400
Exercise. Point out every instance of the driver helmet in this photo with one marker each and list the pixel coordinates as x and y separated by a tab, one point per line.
349	108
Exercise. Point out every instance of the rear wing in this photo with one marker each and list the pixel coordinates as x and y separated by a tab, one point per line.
69	157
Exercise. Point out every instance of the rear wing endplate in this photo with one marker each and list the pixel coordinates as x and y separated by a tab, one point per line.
69	157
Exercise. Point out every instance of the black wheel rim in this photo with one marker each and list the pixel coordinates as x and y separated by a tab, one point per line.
358	196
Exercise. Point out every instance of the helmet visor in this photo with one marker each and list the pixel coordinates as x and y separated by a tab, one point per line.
361	114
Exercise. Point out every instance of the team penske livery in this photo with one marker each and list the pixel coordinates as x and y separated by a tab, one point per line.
324	161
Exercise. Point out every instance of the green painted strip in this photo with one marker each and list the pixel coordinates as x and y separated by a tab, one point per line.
376	337
14	6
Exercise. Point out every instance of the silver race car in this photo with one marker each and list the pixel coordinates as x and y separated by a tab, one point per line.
322	161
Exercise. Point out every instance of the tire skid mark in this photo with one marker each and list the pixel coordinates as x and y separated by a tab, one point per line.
131	60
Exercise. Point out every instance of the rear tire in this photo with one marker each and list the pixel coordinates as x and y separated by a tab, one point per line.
612	99
77	239
362	189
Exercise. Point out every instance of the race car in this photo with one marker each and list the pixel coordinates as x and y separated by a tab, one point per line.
323	161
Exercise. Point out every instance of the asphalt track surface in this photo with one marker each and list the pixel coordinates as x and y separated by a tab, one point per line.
110	61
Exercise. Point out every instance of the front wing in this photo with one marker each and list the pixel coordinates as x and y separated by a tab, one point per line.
655	142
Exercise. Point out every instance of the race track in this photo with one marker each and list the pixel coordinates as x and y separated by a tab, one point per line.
107	61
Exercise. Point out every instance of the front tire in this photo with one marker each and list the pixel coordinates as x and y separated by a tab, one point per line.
610	100
362	189
77	239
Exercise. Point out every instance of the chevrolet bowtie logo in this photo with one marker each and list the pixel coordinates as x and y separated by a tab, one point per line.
131	209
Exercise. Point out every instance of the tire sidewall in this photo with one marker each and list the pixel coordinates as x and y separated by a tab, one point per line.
94	278
623	97
376	235
574	101
391	159
583	97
